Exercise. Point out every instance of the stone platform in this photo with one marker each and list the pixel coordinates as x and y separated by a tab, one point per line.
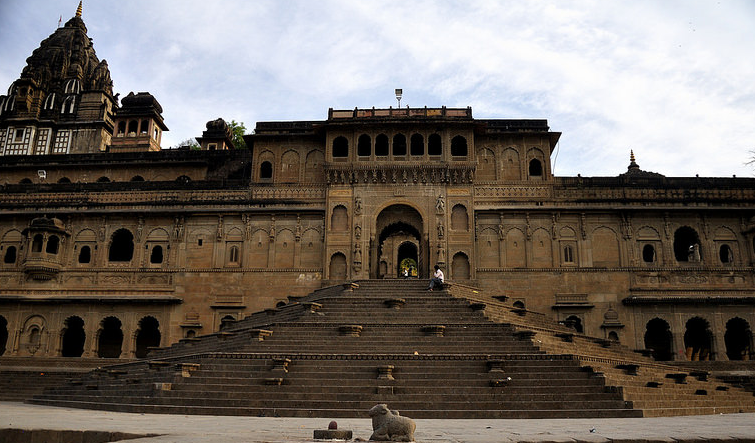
224	429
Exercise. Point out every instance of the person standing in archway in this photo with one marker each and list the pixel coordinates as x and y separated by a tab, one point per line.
437	279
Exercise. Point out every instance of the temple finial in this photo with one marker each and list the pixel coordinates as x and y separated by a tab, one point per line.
631	156
80	9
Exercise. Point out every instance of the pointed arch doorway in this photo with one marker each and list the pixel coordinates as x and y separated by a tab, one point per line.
399	244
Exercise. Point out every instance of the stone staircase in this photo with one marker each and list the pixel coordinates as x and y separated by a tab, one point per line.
455	353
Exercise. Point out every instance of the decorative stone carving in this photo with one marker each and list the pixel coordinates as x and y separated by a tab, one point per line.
358	206
220	227
440	204
388	425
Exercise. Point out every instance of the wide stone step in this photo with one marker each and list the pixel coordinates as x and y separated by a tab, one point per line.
349	413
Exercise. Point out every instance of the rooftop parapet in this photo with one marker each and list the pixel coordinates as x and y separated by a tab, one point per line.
444	113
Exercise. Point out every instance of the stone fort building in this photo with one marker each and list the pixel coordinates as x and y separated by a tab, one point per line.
110	245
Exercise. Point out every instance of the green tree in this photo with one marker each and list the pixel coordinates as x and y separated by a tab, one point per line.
238	129
190	142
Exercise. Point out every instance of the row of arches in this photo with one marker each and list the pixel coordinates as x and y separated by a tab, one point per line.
409	260
106	179
72	336
699	340
399	146
515	246
289	167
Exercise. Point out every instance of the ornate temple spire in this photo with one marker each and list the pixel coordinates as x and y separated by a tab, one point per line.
80	9
632	163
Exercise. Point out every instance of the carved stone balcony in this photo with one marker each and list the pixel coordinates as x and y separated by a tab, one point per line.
42	266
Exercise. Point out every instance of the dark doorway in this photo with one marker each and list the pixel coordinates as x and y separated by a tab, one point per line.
686	245
658	338
738	339
73	337
148	336
697	340
400	237
3	334
111	338
121	246
407	260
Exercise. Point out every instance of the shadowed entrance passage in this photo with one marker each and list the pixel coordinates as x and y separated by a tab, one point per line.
399	244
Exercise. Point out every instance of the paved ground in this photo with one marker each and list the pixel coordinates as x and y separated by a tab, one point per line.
217	429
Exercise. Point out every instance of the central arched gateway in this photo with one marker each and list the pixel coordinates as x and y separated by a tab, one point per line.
399	243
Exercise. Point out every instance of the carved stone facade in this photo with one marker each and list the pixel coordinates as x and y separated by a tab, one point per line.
179	243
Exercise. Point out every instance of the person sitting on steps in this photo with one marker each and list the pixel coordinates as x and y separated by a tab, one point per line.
437	279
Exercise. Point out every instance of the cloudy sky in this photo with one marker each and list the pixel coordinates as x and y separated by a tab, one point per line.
672	80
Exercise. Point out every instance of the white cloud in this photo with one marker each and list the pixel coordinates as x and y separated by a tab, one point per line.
673	81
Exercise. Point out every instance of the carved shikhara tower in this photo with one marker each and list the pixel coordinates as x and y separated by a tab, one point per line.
109	245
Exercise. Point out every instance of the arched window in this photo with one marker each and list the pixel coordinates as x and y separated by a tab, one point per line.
133	126
10	103
25	181
36	243
49	102
459	218
725	254
156	257
536	168
53	244
399	145
72	87
266	171
10	255
568	254
381	145
233	254
417	145
144	127
658	338
339	219
68	105
686	245
137	178
111	338
518	304
148	336
613	335
648	254
73	337
64	180
458	146
340	147
121	129
364	146
85	254
434	145
103	179
121	246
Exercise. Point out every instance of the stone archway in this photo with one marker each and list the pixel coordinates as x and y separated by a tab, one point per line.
399	236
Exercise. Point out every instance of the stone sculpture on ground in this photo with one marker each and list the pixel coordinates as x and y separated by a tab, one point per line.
388	425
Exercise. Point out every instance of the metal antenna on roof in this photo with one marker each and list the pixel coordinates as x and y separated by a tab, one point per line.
399	93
